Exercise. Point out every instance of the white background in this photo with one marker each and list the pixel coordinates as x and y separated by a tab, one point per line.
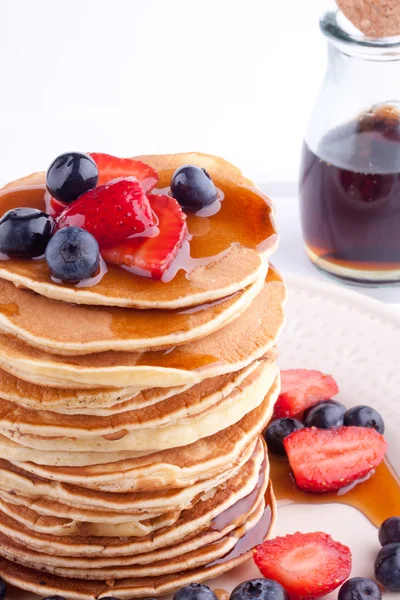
231	77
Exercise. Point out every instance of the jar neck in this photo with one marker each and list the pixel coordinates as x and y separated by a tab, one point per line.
377	78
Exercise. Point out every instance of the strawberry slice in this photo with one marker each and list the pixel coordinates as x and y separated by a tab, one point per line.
308	565
154	255
301	388
111	167
111	212
325	460
54	207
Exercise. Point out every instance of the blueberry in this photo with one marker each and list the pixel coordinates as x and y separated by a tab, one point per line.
387	567
72	254
193	187
3	589
364	416
278	430
195	591
54	598
259	589
325	415
359	588
389	531
25	232
70	175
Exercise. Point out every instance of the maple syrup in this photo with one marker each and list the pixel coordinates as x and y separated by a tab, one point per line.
350	198
377	496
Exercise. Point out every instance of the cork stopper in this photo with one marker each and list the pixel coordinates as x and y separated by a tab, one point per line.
374	18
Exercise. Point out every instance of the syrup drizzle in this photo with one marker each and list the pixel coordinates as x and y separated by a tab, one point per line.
377	496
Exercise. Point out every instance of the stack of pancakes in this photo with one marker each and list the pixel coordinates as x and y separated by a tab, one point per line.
131	413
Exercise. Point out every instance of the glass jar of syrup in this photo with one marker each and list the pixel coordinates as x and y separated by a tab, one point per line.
350	171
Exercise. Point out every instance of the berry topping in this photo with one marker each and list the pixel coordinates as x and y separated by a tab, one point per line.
72	255
325	415
55	207
111	212
306	564
152	256
389	531
195	591
3	589
70	175
302	388
54	598
325	460
387	567
259	589
278	430
364	416
359	588
25	232
193	187
112	167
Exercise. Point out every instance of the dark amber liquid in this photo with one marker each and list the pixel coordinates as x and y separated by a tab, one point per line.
377	497
350	193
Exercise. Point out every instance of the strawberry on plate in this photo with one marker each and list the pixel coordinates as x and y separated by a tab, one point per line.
54	207
153	255
110	167
111	212
325	460
307	565
302	388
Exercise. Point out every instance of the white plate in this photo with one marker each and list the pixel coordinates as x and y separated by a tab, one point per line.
357	339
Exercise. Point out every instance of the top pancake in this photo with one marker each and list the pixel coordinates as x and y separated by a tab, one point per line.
228	250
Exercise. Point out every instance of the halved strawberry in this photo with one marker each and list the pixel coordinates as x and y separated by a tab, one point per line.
111	212
325	460
308	565
54	207
111	167
301	388
154	254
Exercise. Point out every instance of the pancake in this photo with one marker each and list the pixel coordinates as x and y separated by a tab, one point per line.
45	584
191	521
229	250
60	328
93	401
130	471
141	436
149	409
229	349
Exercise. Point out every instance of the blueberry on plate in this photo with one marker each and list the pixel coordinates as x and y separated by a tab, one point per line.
389	531
195	591
70	175
72	255
25	232
359	588
193	187
259	589
278	430
54	598
364	416
387	567
3	588
325	415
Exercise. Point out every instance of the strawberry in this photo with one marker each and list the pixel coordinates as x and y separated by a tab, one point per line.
325	460
111	167
301	388
111	212
154	254
308	565
54	207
